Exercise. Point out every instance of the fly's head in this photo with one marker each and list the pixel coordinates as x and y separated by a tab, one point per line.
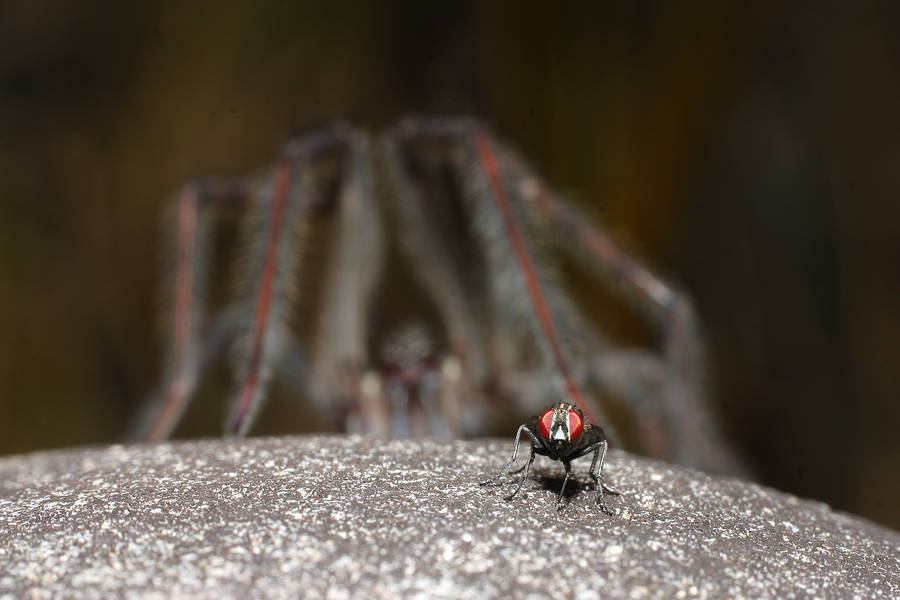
560	426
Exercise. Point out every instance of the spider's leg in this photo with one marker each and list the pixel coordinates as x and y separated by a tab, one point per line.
275	235
637	377
527	468
292	369
525	289
562	489
694	438
355	265
195	207
534	442
521	285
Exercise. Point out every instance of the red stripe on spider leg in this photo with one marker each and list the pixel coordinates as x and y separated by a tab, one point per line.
265	296
535	291
598	244
184	292
174	400
184	298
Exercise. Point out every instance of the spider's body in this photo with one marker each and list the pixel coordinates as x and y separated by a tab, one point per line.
404	284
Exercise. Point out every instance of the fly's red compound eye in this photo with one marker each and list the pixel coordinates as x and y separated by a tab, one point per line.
576	425
547	423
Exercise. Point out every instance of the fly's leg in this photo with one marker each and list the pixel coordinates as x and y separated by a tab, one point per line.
527	468
515	454
196	207
562	489
596	472
519	470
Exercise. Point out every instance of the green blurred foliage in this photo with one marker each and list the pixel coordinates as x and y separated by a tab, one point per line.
747	151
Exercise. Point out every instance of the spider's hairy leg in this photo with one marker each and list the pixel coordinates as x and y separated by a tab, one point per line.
195	209
524	286
681	412
356	262
277	228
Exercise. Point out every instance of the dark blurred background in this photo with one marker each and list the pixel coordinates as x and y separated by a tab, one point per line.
748	151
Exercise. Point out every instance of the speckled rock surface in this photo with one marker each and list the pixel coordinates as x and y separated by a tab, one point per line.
362	518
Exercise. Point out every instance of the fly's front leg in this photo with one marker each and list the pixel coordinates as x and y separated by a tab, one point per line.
515	454
520	469
596	472
562	489
527	468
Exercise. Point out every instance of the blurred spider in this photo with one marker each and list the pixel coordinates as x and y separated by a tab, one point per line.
404	284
